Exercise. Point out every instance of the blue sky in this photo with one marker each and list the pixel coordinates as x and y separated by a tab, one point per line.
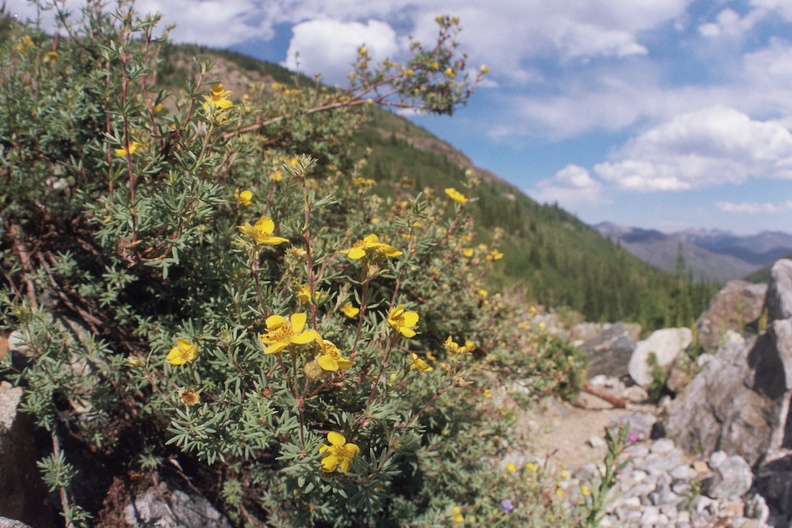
665	114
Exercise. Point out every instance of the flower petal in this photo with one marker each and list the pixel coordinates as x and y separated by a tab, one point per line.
276	347
356	253
274	322
336	439
274	241
344	364
327	362
329	463
305	337
298	322
410	318
406	332
265	224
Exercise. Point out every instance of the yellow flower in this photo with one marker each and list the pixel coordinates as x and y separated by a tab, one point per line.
330	357
261	232
218	98
533	468
51	56
183	352
243	198
495	255
468	252
339	454
25	42
276	176
455	195
454	348
484	69
282	332
371	248
487	393
456	515
189	397
123	151
350	311
409	72
585	491
419	364
482	293
402	322
450	73
363	182
511	468
304	294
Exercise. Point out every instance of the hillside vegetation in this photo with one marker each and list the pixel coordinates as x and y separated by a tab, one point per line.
550	257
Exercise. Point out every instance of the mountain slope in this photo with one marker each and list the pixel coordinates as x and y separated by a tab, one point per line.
708	254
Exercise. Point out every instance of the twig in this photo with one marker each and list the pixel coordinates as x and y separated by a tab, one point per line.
610	398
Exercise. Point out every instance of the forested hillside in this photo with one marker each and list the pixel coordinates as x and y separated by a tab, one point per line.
550	255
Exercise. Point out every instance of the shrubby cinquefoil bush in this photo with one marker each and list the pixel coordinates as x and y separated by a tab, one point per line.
204	276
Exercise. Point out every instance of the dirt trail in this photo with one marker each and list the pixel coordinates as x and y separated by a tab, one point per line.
561	431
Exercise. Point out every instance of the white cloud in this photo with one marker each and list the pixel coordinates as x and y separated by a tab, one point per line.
571	187
729	23
707	147
754	207
329	47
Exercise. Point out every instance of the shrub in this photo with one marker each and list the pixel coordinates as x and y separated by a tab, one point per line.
205	277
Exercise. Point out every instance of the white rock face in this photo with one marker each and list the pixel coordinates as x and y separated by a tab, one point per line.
665	344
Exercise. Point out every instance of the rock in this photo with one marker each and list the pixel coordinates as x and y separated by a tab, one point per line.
736	306
596	442
635	394
731	479
22	493
164	506
681	373
665	344
756	508
662	446
609	352
718	410
10	523
778	301
717	458
640	425
774	484
17	342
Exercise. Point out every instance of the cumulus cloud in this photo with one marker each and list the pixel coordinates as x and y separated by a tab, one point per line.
754	207
729	23
571	187
329	47
707	147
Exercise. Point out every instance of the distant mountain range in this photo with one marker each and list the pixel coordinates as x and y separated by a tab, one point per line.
708	254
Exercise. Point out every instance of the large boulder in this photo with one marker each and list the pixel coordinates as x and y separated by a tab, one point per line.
665	344
609	352
718	411
738	305
778	301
